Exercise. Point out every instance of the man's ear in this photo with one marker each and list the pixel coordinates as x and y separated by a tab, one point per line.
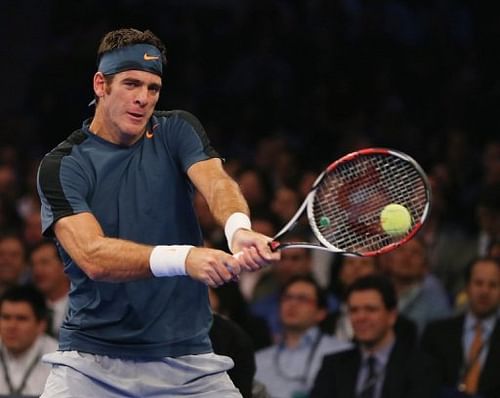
99	84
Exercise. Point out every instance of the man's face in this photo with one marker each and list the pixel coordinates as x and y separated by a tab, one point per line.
19	327
483	288
128	102
408	261
47	269
370	319
12	262
299	307
293	261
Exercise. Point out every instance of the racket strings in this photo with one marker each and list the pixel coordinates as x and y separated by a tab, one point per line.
350	198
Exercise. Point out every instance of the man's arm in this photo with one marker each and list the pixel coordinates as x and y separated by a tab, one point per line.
224	198
117	260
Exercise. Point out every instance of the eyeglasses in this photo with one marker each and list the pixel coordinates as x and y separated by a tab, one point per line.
299	298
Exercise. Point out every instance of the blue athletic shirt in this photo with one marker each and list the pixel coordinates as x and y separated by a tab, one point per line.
139	193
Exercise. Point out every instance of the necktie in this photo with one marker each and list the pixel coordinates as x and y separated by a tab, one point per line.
471	378
368	389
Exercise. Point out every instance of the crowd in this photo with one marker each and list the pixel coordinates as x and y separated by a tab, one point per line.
283	88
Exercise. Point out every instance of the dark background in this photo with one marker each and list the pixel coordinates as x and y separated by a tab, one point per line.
323	73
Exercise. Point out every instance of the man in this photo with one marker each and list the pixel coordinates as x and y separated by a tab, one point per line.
421	296
294	261
23	342
288	368
13	267
49	277
382	365
117	195
467	347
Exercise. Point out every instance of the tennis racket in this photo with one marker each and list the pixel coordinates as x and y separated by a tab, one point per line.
345	203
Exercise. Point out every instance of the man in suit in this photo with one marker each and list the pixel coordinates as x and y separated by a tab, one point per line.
467	347
382	365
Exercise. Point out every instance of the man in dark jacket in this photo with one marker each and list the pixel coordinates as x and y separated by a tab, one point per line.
381	365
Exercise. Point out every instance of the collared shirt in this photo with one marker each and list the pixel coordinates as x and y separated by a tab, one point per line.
488	324
382	357
17	367
288	371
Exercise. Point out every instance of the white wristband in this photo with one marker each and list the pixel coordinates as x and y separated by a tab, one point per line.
234	222
169	260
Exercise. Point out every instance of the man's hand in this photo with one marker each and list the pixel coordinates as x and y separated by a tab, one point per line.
252	250
212	267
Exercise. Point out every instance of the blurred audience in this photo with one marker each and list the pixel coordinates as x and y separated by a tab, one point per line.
13	261
23	323
289	367
231	340
466	347
228	301
421	296
48	276
381	365
293	262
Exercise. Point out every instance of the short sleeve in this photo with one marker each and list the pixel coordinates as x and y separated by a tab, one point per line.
62	187
188	139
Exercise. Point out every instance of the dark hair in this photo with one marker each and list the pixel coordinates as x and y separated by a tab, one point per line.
472	264
127	36
29	294
381	284
321	299
42	243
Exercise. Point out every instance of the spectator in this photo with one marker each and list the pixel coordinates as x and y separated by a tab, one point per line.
23	342
294	261
488	215
13	267
467	347
50	279
421	297
382	365
228	301
231	340
288	368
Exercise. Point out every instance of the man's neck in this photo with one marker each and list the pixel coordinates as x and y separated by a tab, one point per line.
292	338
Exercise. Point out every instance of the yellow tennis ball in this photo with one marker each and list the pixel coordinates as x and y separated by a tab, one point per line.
395	219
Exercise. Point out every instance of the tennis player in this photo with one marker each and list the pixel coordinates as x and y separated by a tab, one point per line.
117	196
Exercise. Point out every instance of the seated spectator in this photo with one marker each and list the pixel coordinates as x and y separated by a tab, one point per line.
228	301
231	340
350	270
421	297
13	266
288	368
467	347
49	277
294	261
382	365
23	342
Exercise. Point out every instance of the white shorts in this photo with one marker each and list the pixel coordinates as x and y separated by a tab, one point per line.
80	375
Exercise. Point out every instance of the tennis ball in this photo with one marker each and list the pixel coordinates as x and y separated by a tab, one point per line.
395	219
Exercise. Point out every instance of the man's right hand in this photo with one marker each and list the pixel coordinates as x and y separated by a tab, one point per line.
212	267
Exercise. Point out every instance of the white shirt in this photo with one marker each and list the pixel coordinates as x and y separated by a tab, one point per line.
288	371
18	366
59	309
